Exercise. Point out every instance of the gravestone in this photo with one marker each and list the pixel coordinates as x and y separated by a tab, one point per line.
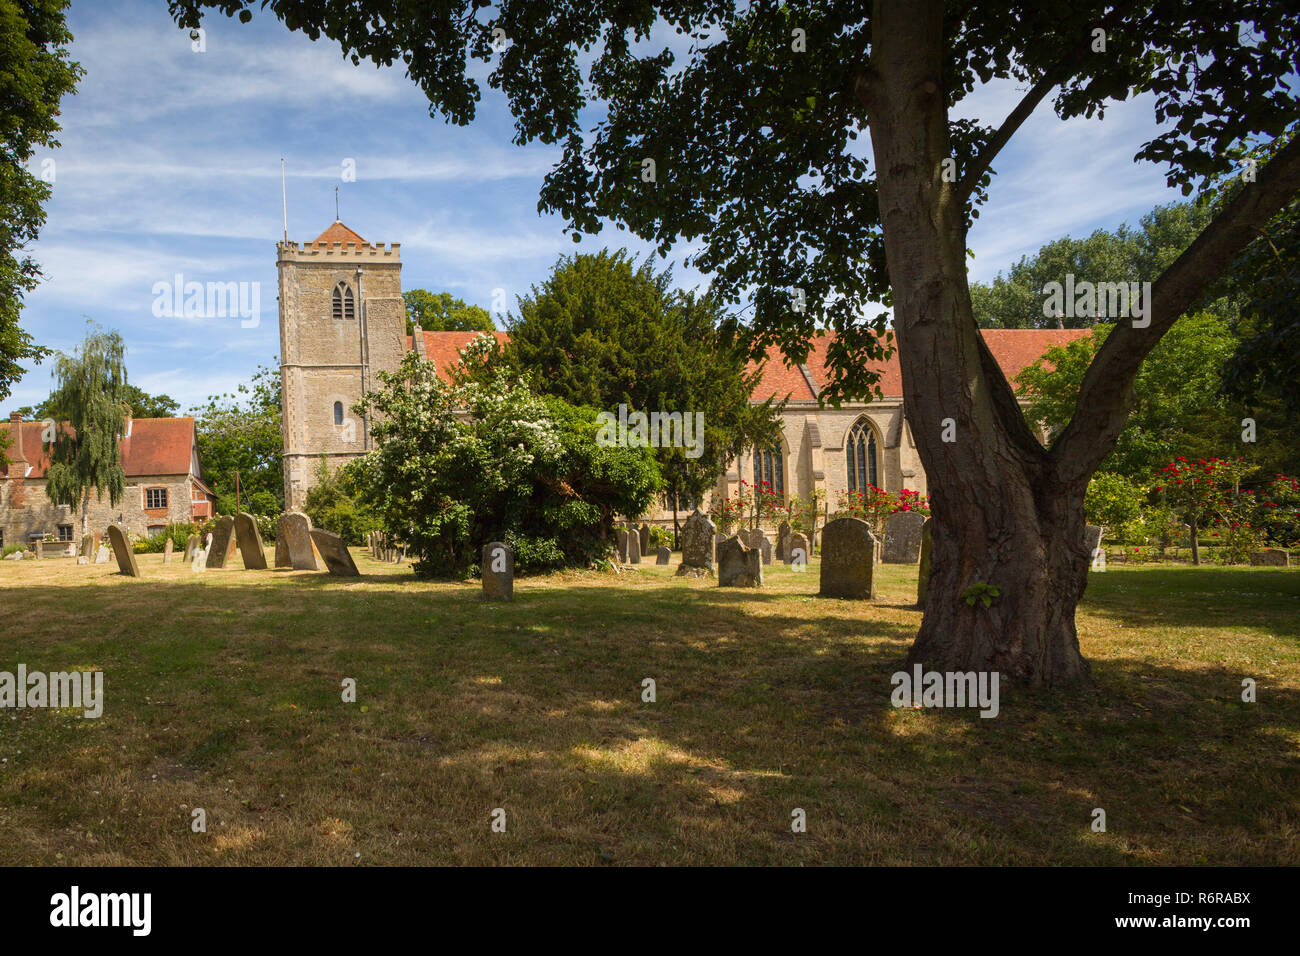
16	556
848	560
1271	558
645	539
1091	538
101	555
192	544
717	540
903	537
796	549
739	566
281	547
249	539
621	536
1098	560
783	532
633	548
664	555
334	552
765	550
294	529
697	546
499	572
199	560
923	572
223	536
122	551
39	550
168	548
87	549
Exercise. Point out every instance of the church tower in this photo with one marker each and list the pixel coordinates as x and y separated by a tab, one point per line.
342	319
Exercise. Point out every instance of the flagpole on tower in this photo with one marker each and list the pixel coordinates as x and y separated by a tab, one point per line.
284	201
336	205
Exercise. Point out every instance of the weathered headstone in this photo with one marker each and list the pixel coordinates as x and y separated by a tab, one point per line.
87	549
199	560
923	572
783	532
192	544
903	537
39	550
121	542
334	552
249	539
102	555
499	572
223	536
717	540
621	536
664	555
765	550
645	539
1091	538
848	560
168	548
633	548
739	566
1098	560
294	529
697	546
796	551
16	556
1271	558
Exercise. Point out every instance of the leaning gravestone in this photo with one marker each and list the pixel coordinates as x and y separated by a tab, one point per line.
1091	538
223	535
498	572
903	537
796	550
87	549
923	573
294	529
249	539
621	536
168	548
1271	558
783	532
697	546
101	555
192	544
739	566
334	552
848	560
633	548
645	539
122	551
664	555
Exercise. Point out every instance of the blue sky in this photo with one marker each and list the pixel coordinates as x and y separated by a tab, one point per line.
170	163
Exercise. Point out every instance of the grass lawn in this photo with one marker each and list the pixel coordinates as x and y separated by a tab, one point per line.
223	692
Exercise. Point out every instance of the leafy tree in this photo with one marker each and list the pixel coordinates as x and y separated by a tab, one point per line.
745	145
140	402
604	331
459	465
441	313
240	434
85	454
35	74
334	503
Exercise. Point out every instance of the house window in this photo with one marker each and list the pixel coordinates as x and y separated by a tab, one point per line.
338	413
860	452
155	498
65	532
769	468
342	304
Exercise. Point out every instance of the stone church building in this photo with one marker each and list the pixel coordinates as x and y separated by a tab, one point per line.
342	319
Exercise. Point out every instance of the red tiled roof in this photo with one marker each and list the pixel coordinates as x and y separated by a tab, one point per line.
337	232
1014	349
156	446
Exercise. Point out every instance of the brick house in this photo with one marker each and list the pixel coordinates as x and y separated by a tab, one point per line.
164	484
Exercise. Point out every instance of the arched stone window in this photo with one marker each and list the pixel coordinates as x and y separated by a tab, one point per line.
338	413
768	467
342	302
860	456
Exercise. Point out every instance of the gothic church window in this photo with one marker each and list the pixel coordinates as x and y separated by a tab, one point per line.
769	468
342	302
338	413
860	452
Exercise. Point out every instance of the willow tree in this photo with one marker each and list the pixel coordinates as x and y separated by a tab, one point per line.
84	454
747	138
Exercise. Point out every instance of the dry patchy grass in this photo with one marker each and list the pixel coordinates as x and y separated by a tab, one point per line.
223	692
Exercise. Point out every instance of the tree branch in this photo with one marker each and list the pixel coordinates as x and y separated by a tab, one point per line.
1106	395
